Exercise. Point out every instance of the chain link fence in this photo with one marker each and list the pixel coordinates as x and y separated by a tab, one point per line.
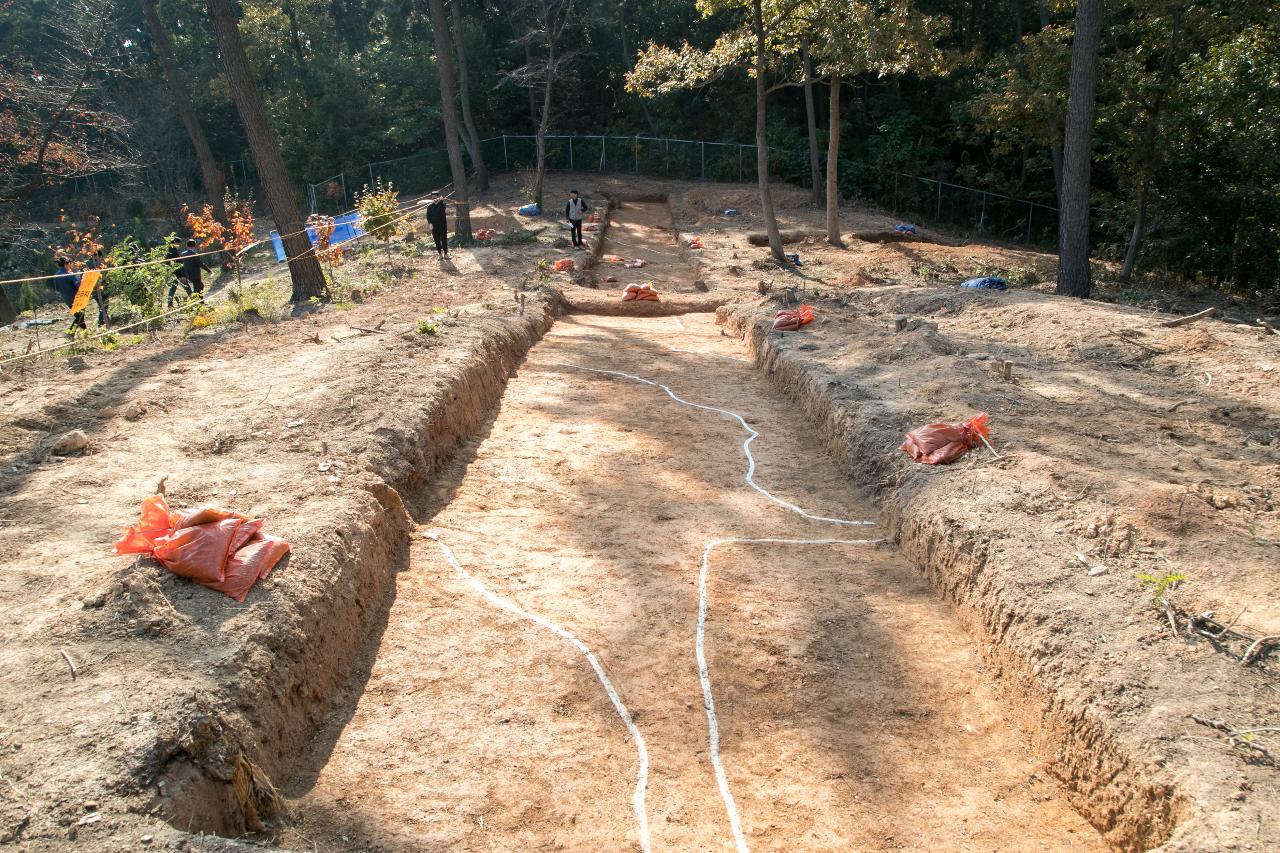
978	212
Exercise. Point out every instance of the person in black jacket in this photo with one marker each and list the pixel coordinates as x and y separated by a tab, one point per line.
179	277
439	225
575	210
193	267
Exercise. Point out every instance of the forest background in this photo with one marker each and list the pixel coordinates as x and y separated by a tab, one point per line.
1184	145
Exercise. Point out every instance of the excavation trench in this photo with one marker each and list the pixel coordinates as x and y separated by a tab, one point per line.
604	634
853	712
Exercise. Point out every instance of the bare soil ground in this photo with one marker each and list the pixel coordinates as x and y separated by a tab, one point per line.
445	721
855	714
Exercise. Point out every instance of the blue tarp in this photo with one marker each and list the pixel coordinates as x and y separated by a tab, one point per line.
345	227
530	210
987	282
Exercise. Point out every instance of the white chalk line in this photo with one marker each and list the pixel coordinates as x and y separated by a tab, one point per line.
642	775
749	477
704	671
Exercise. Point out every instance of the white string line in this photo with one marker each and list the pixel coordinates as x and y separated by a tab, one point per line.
642	775
746	445
412	208
704	673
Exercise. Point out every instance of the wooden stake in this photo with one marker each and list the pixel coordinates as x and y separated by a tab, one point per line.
899	322
1006	370
66	657
1190	318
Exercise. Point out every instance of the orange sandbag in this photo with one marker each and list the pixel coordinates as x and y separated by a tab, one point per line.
611	278
791	320
201	515
564	265
696	243
250	564
641	292
938	444
198	552
485	234
153	523
220	549
613	259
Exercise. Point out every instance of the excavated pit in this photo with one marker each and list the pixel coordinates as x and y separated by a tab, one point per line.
854	713
858	709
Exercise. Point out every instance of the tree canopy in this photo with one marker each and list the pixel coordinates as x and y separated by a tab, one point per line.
1185	179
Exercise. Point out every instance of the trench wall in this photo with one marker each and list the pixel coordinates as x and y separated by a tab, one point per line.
1121	795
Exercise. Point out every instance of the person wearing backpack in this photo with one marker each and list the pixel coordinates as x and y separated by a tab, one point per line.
575	210
66	283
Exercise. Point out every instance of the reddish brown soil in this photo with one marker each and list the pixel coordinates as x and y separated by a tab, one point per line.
854	712
1002	683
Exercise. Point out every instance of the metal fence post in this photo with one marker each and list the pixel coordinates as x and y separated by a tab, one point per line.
603	145
740	178
982	219
703	146
571	153
939	216
637	145
1031	210
506	164
344	189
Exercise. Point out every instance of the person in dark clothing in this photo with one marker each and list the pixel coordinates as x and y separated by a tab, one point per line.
439	223
575	210
179	277
193	267
66	283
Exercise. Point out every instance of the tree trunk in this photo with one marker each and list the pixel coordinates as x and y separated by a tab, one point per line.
541	139
762	147
533	98
833	161
449	108
210	174
295	39
815	167
1148	149
7	312
277	189
1135	239
471	136
1077	161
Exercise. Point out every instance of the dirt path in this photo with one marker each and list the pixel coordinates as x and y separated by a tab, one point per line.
853	713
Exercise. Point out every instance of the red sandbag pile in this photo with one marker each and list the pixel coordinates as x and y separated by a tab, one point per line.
938	444
564	265
696	243
791	320
640	292
485	234
222	550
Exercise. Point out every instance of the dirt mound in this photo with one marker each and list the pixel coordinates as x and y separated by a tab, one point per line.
760	238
